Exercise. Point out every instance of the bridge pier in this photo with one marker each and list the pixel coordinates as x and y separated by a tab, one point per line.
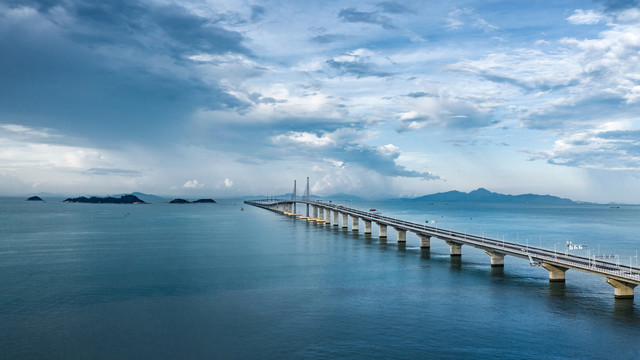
345	221
622	290
335	218
328	216
315	211
456	249
425	241
367	226
383	231
320	213
497	259
354	223
556	273
402	235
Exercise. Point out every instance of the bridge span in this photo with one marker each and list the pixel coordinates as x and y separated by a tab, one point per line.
623	278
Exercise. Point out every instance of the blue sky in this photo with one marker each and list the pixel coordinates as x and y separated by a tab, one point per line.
378	99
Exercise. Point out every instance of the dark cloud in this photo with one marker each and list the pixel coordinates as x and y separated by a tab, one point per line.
419	94
259	99
357	68
374	17
257	13
327	38
393	7
617	5
117	74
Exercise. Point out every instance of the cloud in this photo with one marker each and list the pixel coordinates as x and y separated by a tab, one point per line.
328	38
112	171
257	13
355	63
352	15
613	150
393	7
459	18
228	183
585	17
341	148
443	111
193	184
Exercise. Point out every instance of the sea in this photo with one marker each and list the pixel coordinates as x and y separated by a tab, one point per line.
232	281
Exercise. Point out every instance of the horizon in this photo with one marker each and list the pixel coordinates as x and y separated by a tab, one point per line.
386	98
320	196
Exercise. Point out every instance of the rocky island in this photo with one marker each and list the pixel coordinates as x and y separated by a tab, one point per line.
125	199
35	198
183	201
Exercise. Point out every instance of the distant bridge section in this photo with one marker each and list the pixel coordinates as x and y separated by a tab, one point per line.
623	278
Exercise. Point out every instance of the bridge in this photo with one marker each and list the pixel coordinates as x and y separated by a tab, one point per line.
623	278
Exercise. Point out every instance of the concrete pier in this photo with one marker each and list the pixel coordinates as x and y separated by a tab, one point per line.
497	259
456	249
367	226
425	241
383	231
622	290
354	223
556	273
402	235
624	279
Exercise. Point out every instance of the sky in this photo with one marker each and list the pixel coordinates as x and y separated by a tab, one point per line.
372	98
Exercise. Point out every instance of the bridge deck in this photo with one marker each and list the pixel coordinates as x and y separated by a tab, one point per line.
536	255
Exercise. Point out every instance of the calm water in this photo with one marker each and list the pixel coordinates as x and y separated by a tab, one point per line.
83	281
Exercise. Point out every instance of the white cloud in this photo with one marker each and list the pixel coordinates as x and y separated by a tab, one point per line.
193	184
228	182
585	17
304	138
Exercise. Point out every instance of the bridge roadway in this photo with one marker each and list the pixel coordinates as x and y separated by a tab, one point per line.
623	278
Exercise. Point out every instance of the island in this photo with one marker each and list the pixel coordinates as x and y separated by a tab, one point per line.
125	199
35	198
183	201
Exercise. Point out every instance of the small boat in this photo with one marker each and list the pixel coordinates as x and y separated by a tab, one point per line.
372	209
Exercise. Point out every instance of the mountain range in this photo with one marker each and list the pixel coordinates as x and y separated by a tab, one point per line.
484	195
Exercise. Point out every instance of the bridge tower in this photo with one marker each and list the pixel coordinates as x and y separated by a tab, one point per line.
294	196
306	195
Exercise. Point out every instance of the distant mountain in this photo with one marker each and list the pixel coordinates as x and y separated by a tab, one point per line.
183	201
145	197
125	199
484	195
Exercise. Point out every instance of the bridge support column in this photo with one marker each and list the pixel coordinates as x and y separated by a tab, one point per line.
328	216
367	226
402	235
315	211
497	259
335	218
456	249
345	221
383	231
556	273
425	241
320	213
622	290
354	224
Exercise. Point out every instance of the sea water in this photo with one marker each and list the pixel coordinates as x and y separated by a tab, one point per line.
210	281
